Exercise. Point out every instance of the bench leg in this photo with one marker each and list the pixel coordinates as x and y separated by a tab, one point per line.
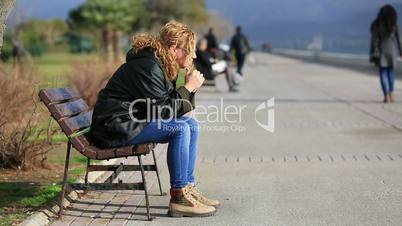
65	177
145	187
157	174
86	173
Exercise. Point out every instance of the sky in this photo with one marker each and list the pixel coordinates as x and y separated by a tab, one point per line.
266	20
294	10
237	10
47	9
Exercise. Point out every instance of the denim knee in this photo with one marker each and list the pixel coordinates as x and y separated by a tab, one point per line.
178	127
193	123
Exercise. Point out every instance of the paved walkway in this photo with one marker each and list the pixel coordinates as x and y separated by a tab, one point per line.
335	157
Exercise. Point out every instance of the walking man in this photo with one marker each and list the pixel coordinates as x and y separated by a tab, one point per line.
241	47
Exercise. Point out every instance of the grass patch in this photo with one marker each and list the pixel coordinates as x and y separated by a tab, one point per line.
58	64
27	194
76	159
7	219
53	67
54	139
19	199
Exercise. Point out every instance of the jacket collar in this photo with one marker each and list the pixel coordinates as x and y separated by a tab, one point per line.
146	52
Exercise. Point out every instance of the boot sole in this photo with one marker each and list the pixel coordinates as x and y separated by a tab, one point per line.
182	214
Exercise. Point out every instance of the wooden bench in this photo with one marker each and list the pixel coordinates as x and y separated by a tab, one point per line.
74	117
209	83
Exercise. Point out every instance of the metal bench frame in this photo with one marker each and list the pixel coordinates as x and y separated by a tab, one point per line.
74	118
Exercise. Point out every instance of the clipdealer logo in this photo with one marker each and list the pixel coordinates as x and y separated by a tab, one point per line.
216	116
268	107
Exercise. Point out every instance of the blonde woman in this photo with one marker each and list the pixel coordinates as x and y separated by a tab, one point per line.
141	104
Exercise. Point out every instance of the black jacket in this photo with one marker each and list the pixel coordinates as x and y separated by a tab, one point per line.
239	44
203	64
384	45
211	40
140	79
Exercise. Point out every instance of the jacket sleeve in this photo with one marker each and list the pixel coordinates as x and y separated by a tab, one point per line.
398	39
247	44
192	99
164	101
186	100
372	44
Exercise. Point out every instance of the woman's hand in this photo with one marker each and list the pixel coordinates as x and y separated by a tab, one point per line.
194	80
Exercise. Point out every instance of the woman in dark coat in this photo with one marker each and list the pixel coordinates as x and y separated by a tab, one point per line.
385	48
140	104
204	63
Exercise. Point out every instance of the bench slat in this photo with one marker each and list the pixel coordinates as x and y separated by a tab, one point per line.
76	123
143	149
209	83
79	143
125	151
68	109
91	153
57	95
105	153
84	147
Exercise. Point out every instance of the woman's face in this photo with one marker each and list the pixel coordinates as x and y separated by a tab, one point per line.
183	57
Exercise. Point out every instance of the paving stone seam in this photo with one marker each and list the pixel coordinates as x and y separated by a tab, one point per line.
373	158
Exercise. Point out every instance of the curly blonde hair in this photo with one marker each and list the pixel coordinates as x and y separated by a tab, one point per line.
172	34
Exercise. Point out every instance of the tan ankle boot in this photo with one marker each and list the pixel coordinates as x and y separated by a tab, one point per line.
201	198
183	204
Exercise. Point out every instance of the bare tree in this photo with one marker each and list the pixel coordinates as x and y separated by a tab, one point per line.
5	9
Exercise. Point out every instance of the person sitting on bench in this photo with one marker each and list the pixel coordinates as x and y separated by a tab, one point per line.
206	64
141	105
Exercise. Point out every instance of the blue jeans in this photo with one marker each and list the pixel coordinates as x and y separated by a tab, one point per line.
387	79
182	135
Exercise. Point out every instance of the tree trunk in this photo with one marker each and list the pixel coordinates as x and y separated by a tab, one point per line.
107	36
5	9
117	48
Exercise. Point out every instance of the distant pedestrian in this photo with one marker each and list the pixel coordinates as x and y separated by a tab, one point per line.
241	47
211	68
385	43
212	43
